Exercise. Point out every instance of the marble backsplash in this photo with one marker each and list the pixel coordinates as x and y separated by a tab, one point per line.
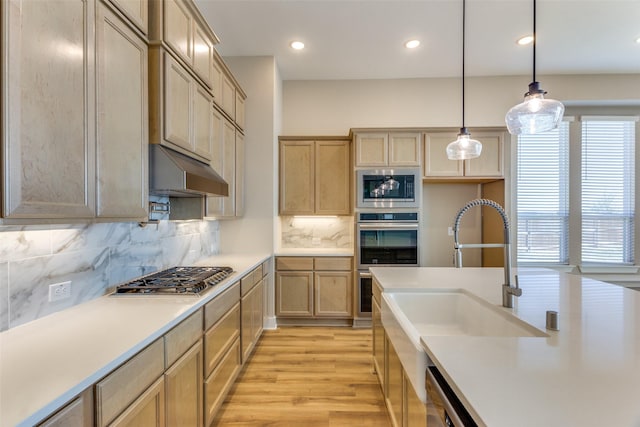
94	257
316	232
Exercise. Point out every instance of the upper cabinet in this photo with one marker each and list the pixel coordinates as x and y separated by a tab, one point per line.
71	114
137	11
489	166
382	149
315	177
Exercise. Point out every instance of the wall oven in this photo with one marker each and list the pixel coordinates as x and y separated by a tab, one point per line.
388	188
383	239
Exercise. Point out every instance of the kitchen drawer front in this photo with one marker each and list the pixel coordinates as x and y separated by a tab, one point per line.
120	388
265	267
220	337
247	283
220	381
221	304
332	263
294	263
178	340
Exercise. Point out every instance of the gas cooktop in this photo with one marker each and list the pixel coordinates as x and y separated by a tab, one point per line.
176	280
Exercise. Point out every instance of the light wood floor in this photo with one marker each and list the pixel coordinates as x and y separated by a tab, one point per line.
307	376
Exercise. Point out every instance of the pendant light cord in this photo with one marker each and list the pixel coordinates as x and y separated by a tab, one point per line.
464	4
534	40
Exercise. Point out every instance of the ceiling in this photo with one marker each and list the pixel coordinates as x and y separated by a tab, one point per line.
363	39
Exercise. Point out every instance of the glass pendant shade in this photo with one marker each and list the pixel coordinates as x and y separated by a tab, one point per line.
464	147
536	114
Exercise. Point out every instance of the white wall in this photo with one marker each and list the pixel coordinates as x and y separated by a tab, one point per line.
333	107
253	231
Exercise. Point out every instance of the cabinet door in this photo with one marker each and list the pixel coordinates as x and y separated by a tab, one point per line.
184	382
178	29
239	110
214	204
490	163
228	96
372	149
395	386
122	119
258	313
203	55
294	294
147	410
177	104
332	178
239	176
229	167
436	162
404	149
297	182
137	11
379	342
415	411
49	109
333	294
220	381
246	307
202	122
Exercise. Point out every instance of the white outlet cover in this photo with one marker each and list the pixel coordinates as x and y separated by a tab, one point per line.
59	291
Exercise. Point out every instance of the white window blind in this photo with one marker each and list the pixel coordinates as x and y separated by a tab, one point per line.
543	197
608	175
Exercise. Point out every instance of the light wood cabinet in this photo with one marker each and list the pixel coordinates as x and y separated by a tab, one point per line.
121	388
382	149
414	411
77	413
490	164
228	95
395	386
240	100
177	28
315	177
379	337
180	108
252	315
122	119
203	54
137	11
228	161
314	288
146	410
49	109
217	385
183	388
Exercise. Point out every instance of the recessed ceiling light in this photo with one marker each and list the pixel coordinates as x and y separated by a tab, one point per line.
525	40
412	44
297	45
638	40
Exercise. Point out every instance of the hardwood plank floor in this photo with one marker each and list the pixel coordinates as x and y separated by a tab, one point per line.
307	376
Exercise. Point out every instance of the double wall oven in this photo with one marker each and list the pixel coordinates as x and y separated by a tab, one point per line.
387	225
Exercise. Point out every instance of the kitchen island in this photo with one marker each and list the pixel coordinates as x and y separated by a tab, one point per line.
47	362
585	374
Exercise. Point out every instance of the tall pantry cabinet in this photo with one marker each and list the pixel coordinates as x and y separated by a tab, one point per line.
74	86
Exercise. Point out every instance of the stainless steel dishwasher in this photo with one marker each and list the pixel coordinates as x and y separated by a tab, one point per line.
444	409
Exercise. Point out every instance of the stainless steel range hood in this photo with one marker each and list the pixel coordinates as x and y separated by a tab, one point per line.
176	175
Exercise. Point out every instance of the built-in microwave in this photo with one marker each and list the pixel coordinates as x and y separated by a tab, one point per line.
388	188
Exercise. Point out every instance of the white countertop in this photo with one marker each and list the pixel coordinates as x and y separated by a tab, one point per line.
45	363
585	374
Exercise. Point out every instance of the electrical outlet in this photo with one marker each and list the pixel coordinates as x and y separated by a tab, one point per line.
59	291
450	231
315	241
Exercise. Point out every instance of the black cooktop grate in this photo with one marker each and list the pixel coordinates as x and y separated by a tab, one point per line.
176	280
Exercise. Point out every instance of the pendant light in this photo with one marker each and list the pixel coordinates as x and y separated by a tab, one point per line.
464	147
536	114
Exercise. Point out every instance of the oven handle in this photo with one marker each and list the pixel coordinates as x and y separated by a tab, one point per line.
388	226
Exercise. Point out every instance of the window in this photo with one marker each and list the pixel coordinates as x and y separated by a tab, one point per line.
602	218
543	196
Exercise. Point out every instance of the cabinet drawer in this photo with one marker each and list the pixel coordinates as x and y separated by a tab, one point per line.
265	267
217	308
178	340
220	337
120	388
294	263
332	263
247	283
219	382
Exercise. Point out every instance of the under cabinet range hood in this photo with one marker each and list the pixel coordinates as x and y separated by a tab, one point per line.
176	175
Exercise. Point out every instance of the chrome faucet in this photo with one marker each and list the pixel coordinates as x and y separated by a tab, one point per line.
508	291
